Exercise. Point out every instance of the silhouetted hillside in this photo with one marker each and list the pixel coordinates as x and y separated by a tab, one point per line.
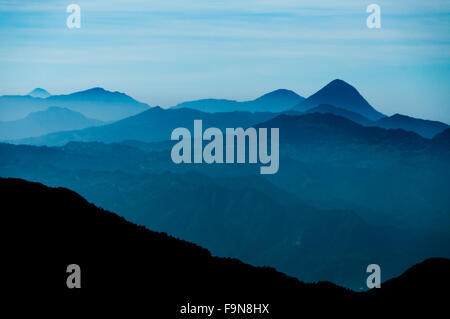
51	228
363	215
340	94
430	276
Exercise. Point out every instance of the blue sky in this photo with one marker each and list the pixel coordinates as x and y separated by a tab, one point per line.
164	52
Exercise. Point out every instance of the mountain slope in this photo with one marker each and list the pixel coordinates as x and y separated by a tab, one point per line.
155	124
275	101
57	227
417	279
94	103
425	128
340	94
42	122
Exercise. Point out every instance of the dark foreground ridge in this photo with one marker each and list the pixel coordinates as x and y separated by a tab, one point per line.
51	228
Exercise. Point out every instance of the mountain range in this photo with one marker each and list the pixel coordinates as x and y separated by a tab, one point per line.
348	192
425	128
340	185
38	123
95	103
155	124
343	100
275	101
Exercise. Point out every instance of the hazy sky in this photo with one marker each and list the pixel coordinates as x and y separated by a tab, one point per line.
166	51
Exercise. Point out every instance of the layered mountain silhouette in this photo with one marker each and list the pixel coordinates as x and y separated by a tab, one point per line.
54	228
340	94
326	108
332	128
338	98
348	192
96	103
155	124
361	181
423	127
38	123
38	92
276	101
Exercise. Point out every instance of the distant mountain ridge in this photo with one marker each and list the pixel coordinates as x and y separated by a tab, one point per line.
337	97
425	128
276	101
155	124
340	94
95	103
332	128
38	123
38	92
